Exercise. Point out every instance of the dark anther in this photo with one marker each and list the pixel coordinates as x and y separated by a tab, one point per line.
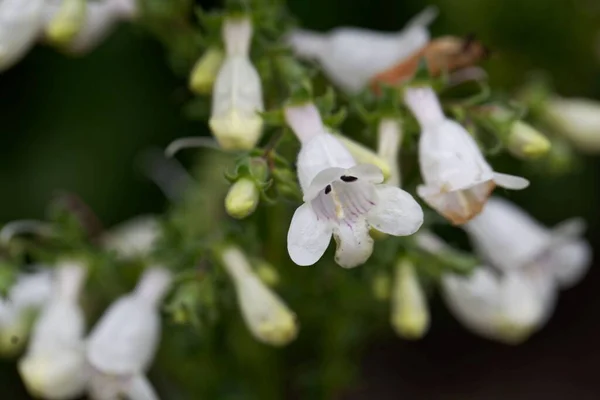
347	178
327	189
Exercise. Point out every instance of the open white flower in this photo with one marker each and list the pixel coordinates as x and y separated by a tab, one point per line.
506	237
20	25
25	297
341	198
237	91
410	314
54	366
457	178
266	315
577	119
507	306
123	343
352	56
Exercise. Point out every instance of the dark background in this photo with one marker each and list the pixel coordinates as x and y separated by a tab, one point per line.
78	125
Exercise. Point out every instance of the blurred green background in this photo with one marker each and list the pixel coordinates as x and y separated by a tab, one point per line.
79	124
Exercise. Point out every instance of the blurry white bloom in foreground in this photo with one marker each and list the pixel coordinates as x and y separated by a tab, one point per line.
237	91
410	314
134	238
205	70
577	119
457	178
389	141
268	318
341	198
25	297
509	239
54	365
352	56
122	345
507	306
20	25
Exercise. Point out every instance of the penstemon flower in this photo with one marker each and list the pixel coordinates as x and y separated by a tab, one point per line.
506	237
341	198
457	178
54	365
20	24
352	56
122	345
267	317
237	91
410	314
577	119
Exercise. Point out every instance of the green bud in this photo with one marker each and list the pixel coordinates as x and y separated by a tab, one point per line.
524	141
259	169
67	22
410	314
267	273
242	198
205	71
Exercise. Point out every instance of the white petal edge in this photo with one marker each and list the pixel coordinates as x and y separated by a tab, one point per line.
367	172
140	388
397	212
308	237
510	181
354	244
321	180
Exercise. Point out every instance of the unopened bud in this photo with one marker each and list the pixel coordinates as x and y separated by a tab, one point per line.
524	141
410	315
67	22
205	71
242	199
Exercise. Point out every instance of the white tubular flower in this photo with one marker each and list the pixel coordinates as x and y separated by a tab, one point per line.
506	237
457	178
237	92
410	314
577	119
134	238
341	198
122	345
29	293
20	24
507	308
389	141
352	56
267	317
54	366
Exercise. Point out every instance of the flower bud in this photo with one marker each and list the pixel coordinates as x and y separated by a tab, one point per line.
577	119
205	71
242	198
267	273
66	22
410	315
54	366
524	141
364	155
269	320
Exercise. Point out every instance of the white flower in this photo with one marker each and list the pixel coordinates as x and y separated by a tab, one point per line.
25	297
54	365
389	141
266	315
410	314
457	178
122	345
134	238
341	198
507	306
577	119
237	92
352	56
20	25
506	237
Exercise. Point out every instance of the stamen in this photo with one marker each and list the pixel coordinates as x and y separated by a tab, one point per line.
327	189
348	178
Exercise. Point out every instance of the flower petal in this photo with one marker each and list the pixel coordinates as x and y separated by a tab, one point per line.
570	261
308	237
396	213
367	172
457	206
322	179
354	244
510	181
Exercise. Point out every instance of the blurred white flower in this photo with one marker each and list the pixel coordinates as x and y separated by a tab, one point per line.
509	239
20	25
389	141
352	56
410	314
577	119
457	178
267	317
133	238
341	198
237	91
524	141
122	345
54	365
